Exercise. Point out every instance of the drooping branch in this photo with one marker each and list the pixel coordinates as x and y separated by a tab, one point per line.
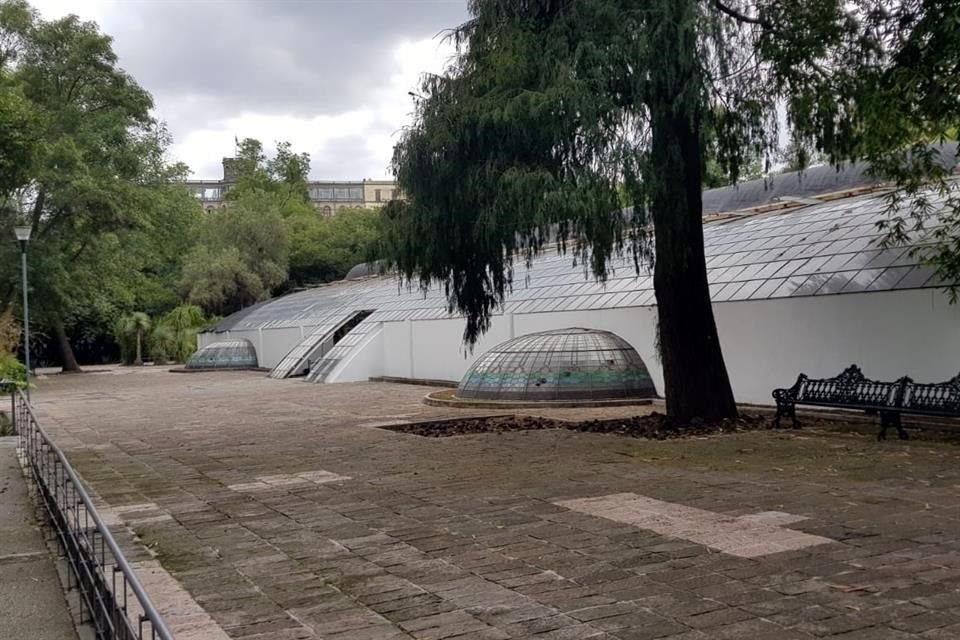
740	17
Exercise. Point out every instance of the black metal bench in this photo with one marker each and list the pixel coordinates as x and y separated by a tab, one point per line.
851	390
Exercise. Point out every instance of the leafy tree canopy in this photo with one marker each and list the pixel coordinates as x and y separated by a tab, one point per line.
87	172
242	254
324	248
285	175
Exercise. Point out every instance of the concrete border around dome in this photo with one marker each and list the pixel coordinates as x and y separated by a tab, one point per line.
466	403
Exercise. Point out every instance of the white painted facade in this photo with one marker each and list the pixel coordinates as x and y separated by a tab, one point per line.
766	343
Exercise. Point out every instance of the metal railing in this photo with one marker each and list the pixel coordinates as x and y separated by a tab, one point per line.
112	599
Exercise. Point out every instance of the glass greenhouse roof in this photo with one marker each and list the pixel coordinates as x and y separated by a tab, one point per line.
813	250
224	354
563	364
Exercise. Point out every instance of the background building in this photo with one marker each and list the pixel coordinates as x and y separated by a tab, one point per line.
327	196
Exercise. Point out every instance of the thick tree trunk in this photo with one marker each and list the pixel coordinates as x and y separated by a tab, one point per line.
696	384
70	364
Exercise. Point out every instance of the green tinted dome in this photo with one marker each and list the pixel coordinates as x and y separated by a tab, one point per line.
225	354
563	364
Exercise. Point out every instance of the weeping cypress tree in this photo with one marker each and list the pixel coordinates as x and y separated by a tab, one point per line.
554	109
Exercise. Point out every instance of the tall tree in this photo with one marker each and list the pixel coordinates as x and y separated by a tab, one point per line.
241	256
96	190
554	108
284	175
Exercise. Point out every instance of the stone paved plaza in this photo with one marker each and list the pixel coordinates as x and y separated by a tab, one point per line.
277	509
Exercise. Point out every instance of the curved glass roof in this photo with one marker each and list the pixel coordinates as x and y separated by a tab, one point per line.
563	364
809	250
803	184
224	354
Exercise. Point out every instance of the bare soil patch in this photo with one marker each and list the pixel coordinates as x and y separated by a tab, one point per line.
654	426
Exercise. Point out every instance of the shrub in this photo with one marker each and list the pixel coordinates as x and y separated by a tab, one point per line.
13	370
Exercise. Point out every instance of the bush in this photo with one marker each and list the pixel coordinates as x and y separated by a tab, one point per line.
12	370
184	322
162	344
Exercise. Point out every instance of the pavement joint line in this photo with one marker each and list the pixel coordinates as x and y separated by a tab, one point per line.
27	556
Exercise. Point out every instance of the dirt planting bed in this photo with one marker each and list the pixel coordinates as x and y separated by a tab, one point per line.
656	426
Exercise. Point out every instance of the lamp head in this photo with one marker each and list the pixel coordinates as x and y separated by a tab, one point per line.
23	232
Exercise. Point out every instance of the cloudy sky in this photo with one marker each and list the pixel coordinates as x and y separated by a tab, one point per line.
330	76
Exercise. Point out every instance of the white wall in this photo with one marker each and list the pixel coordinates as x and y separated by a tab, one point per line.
766	343
438	352
271	344
364	361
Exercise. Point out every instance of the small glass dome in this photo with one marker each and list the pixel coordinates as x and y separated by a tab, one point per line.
225	354
563	364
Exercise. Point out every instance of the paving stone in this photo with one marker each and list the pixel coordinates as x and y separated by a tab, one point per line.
717	618
281	516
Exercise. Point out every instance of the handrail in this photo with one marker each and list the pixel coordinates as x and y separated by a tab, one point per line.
79	541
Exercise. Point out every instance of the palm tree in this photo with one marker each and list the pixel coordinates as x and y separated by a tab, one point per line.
136	324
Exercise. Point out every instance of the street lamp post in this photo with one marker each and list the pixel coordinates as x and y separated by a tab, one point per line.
23	237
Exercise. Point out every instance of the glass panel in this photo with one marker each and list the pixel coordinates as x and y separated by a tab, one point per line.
835	263
727	292
890	278
747	289
769	269
767	288
790	268
836	282
917	277
789	286
717	275
862	280
811	285
908	257
649	298
883	258
794	252
735	273
812	265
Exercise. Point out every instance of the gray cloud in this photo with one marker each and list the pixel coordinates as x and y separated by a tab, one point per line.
345	158
300	58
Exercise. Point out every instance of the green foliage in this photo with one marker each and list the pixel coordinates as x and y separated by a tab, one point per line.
17	139
114	231
183	323
284	175
12	370
880	83
163	343
110	224
555	112
241	255
324	248
134	326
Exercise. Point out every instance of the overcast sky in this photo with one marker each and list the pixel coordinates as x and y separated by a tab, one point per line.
330	76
